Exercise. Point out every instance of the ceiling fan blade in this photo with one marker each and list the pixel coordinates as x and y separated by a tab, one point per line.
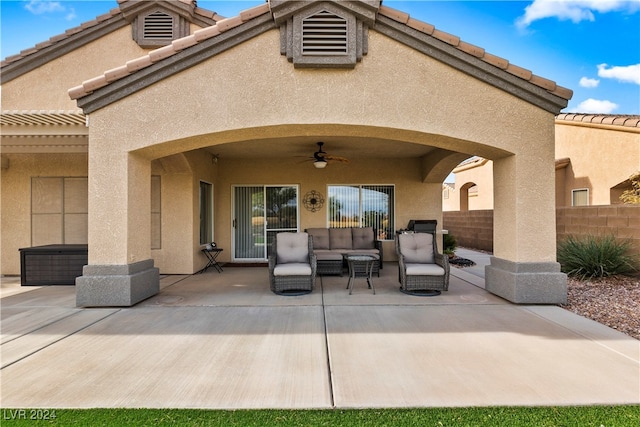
336	158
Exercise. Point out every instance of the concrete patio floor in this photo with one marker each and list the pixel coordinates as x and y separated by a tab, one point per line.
223	340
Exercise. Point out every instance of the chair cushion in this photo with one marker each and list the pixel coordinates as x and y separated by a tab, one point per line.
424	270
416	247
292	269
320	237
292	247
363	238
340	238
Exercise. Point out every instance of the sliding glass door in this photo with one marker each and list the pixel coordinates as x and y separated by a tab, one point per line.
259	213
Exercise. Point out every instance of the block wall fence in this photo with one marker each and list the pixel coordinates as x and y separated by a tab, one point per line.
474	229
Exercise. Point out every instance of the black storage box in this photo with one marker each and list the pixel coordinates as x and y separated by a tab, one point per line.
52	264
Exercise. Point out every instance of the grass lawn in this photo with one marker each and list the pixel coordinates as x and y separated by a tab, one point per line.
597	416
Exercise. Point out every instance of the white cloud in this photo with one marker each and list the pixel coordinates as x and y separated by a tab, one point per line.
596	106
39	7
587	82
71	15
628	74
573	10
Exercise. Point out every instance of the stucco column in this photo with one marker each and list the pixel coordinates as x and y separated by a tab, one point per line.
524	268
120	270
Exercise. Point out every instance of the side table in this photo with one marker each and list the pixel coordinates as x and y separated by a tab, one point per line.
212	255
360	265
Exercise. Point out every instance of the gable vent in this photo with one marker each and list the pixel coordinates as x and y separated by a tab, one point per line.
158	25
324	34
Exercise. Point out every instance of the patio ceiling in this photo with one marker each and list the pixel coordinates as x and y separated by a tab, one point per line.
349	147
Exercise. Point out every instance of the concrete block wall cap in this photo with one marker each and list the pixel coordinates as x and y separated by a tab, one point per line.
496	61
161	53
523	73
394	14
253	12
116	73
206	33
138	63
446	37
77	92
546	84
476	51
423	27
229	23
95	83
184	42
608	120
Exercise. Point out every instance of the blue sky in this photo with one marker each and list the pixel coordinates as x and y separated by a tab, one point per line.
589	46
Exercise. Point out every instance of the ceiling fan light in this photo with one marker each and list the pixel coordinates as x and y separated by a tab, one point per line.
320	164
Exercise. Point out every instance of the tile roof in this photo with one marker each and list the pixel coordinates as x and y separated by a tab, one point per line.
632	121
223	25
83	27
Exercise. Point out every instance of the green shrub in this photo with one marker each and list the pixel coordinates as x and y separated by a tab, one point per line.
449	243
590	257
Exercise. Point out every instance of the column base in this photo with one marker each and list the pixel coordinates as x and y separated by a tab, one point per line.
526	282
117	285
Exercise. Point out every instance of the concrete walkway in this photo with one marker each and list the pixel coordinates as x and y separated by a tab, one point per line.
225	341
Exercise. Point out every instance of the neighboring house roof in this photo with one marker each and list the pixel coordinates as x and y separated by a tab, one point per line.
42	118
73	38
197	47
632	121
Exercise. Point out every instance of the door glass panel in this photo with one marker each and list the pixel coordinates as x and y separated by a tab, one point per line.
260	213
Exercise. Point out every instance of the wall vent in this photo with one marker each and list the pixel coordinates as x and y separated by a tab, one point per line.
324	34
158	26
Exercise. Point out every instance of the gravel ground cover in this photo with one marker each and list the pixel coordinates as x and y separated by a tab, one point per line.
612	301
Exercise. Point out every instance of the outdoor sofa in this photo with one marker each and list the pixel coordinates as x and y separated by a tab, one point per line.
330	245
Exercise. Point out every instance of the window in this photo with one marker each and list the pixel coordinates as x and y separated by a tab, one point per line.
156	206
59	210
580	197
206	213
363	206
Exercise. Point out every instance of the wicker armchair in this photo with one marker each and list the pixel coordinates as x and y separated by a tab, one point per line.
292	264
422	270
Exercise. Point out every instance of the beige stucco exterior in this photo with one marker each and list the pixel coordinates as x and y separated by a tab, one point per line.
242	116
596	157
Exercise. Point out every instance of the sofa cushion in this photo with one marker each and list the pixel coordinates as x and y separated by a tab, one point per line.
416	247
292	247
320	237
363	238
340	238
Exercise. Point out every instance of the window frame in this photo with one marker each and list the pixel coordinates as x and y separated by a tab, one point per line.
576	191
209	220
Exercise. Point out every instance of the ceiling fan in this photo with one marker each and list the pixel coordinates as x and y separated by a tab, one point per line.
321	158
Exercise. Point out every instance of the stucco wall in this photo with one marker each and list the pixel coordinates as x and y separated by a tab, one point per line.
15	191
45	88
224	100
601	158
